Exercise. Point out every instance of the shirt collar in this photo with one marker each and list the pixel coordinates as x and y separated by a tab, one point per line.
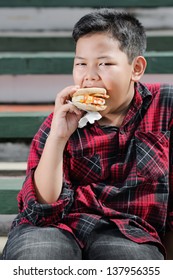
141	100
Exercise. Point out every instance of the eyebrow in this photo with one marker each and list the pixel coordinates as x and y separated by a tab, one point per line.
105	56
79	57
100	57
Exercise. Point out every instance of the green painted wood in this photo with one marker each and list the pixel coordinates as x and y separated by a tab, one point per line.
85	3
36	63
160	42
36	43
56	43
9	188
159	62
62	63
20	125
11	183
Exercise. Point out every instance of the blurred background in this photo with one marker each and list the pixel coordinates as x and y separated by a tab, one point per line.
22	26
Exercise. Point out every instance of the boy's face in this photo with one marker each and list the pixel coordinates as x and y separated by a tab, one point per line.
100	63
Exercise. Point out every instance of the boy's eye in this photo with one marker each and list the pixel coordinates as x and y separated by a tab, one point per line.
81	64
105	64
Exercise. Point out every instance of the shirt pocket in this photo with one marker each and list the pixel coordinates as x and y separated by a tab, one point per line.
152	155
85	169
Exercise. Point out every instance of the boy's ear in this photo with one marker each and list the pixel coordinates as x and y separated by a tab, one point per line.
139	65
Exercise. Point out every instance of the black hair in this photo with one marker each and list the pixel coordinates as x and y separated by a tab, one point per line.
122	26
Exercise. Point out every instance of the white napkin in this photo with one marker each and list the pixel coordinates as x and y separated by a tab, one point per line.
90	117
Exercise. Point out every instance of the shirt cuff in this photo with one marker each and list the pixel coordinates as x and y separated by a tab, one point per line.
43	214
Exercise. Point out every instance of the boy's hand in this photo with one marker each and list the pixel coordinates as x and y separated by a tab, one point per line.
66	115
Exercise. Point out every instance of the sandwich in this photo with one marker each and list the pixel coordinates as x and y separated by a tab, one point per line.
90	99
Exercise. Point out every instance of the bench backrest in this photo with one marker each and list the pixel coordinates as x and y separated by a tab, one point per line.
87	3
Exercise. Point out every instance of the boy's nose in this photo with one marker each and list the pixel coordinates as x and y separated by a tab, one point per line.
91	75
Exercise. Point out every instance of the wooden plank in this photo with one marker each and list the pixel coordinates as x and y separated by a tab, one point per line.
20	125
36	42
9	188
85	3
11	183
158	41
62	63
13	166
36	63
8	202
159	62
35	107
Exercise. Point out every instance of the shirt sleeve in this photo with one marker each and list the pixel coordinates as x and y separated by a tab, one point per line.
30	209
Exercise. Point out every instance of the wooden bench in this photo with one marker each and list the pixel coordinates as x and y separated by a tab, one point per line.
62	62
12	174
52	53
86	3
14	127
27	54
9	188
58	41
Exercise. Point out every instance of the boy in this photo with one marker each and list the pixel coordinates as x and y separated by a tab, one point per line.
103	191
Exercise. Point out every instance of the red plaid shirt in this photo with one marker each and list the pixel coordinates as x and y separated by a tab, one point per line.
123	175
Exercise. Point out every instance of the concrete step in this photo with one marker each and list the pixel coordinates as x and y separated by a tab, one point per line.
26	108
3	240
57	19
5	225
12	166
12	169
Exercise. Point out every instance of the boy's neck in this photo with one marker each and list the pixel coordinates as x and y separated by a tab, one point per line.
113	119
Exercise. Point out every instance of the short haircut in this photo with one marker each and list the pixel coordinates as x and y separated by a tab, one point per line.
121	26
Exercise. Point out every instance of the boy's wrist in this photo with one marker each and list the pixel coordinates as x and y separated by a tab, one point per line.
54	139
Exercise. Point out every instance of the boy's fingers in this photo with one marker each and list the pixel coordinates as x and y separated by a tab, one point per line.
69	107
66	94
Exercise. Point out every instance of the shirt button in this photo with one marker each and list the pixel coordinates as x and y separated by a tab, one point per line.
122	131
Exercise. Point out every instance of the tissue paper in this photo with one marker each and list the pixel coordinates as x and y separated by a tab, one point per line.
90	117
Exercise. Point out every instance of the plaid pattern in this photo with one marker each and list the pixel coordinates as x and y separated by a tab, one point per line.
123	175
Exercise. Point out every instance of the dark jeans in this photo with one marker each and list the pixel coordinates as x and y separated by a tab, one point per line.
27	242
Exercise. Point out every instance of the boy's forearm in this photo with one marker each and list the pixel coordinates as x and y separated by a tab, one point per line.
49	172
168	242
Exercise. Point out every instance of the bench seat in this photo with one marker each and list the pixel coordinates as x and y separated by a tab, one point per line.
157	40
86	3
62	63
21	125
9	188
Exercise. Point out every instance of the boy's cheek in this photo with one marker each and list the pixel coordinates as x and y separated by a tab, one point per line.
78	79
